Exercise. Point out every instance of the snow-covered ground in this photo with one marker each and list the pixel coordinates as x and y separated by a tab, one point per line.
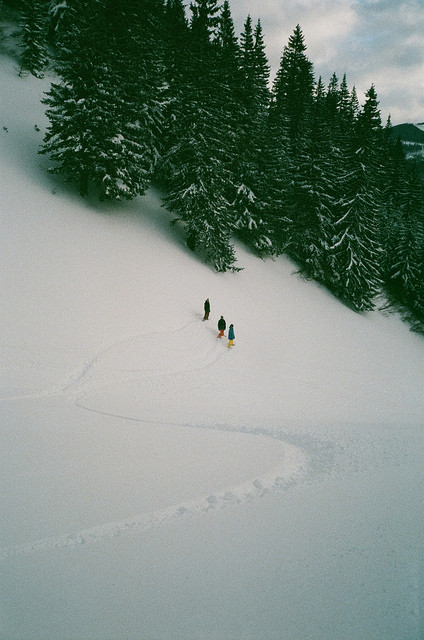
156	485
413	149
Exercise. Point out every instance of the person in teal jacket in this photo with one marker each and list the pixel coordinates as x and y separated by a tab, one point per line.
231	336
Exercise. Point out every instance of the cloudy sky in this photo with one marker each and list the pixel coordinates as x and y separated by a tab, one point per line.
378	42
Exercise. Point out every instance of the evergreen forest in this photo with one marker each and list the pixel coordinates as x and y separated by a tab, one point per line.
156	92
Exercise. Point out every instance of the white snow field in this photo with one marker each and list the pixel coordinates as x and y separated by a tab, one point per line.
156	485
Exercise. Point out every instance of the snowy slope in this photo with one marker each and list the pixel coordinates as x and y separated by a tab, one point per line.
156	485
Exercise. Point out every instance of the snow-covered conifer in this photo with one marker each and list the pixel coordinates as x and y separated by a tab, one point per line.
404	233
314	191
177	75
247	203
203	154
289	128
356	249
293	87
105	115
34	33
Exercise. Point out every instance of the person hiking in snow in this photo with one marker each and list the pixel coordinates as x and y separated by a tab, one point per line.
222	325
231	336
207	308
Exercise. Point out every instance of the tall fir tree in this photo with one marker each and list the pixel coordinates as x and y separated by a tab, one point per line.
34	37
356	250
332	98
105	115
403	230
177	75
354	103
204	24
250	212
201	156
341	114
290	123
62	19
293	88
262	73
405	246
315	188
393	197
346	102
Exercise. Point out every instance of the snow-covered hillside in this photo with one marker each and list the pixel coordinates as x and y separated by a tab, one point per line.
155	484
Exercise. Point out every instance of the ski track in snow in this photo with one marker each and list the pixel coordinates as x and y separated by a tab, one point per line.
80	377
292	468
239	494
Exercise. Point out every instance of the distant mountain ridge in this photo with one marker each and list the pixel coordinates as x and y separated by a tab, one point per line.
408	132
412	139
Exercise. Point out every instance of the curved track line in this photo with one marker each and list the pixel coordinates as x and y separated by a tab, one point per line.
79	376
272	481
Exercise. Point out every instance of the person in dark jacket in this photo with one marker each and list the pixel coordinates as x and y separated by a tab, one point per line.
222	325
207	308
231	336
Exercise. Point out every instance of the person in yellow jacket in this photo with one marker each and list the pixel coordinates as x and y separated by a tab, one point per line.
231	336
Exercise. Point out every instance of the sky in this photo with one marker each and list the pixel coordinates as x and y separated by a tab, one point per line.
378	42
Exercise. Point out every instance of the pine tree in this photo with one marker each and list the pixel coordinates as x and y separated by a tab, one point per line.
204	23
227	41
249	207
201	157
393	197
333	98
228	78
404	237
63	17
417	289
340	117
177	75
342	112
354	103
34	33
290	122
2	18
316	188
262	71
293	87
345	103
356	250
106	113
